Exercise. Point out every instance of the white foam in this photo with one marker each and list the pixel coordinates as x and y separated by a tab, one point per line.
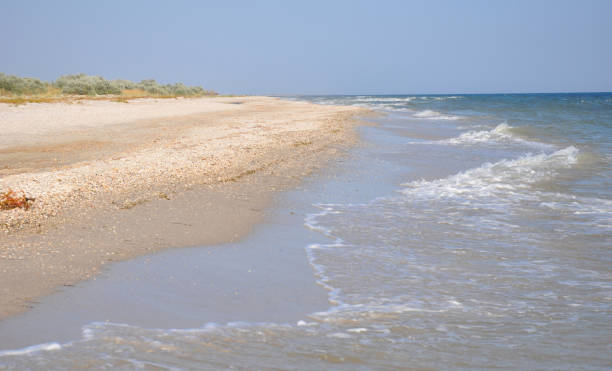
434	115
384	99
339	335
501	134
323	280
31	349
503	176
449	97
358	330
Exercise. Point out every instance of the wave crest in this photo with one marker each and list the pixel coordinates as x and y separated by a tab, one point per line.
502	133
500	177
434	115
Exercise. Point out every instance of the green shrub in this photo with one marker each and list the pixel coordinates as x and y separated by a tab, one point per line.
82	84
22	85
124	84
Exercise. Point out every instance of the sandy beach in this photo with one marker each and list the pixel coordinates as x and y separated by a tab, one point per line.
111	181
314	185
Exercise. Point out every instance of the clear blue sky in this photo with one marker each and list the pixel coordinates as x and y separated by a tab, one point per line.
317	47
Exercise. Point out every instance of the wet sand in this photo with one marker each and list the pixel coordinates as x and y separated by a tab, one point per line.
264	277
113	181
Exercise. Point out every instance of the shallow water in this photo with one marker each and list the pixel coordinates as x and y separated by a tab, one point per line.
467	232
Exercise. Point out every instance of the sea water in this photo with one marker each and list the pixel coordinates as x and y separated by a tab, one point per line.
466	231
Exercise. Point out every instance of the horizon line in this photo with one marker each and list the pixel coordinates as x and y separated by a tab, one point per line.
441	94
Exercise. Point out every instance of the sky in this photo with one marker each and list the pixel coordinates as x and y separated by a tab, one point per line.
317	47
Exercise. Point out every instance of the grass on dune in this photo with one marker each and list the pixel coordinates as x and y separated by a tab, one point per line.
21	90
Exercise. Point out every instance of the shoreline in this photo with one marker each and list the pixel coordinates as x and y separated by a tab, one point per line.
109	190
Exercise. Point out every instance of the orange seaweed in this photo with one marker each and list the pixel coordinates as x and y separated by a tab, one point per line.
13	200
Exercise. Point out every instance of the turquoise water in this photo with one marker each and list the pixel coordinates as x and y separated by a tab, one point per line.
475	231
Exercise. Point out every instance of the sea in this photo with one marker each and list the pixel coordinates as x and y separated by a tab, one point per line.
462	232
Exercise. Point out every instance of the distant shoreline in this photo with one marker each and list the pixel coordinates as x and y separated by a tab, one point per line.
112	181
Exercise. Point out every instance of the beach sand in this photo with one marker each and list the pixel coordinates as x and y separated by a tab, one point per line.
112	180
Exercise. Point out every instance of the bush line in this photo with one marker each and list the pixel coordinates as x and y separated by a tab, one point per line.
87	85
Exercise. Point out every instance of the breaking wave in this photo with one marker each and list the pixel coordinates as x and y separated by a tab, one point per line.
501	134
500	177
434	115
